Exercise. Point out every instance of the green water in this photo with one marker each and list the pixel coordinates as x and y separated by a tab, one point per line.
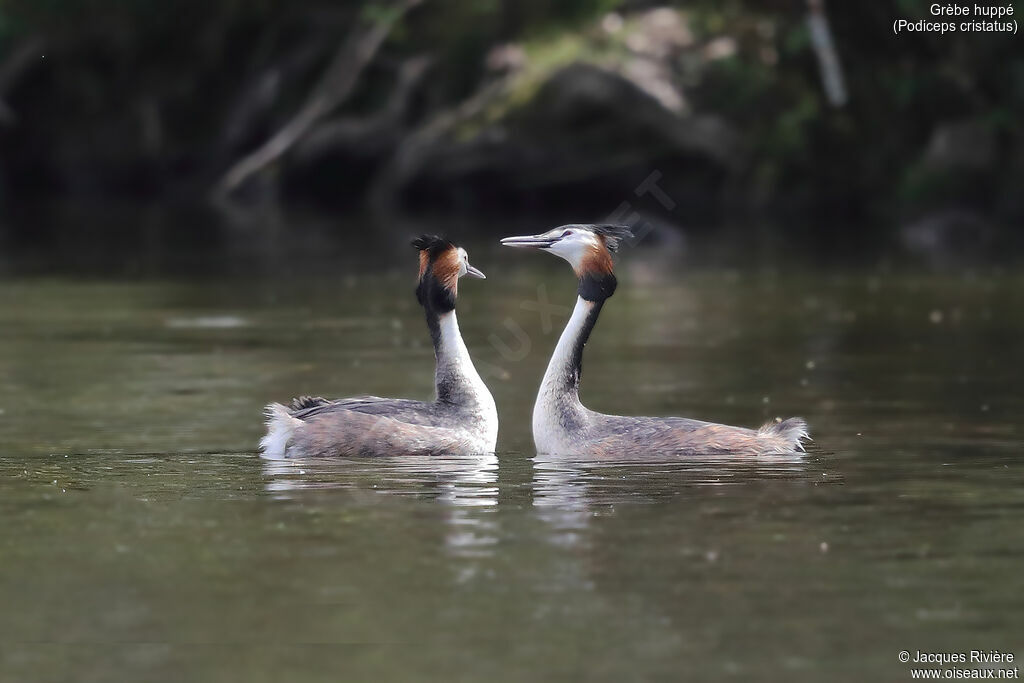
143	539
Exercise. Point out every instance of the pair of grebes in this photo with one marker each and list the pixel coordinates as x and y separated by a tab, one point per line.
463	420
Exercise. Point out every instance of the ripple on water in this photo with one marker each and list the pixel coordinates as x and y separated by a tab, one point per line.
456	480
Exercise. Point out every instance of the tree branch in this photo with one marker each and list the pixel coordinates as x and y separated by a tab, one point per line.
378	127
409	156
825	50
335	86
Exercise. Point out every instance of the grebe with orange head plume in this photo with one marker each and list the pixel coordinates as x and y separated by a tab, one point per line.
461	420
563	426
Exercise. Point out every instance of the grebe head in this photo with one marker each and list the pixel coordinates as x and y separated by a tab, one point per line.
587	248
442	263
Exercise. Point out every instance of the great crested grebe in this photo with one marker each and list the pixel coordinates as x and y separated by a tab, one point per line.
462	419
563	426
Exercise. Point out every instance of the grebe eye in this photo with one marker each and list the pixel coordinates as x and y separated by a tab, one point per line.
566	233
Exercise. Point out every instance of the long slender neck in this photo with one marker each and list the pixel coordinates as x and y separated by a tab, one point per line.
559	419
455	378
562	379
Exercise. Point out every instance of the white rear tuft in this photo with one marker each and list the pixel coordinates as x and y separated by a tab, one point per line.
788	434
280	427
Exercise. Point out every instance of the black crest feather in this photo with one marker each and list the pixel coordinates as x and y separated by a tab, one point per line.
303	402
612	234
432	244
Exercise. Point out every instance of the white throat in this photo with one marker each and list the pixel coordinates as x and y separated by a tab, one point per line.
558	397
456	378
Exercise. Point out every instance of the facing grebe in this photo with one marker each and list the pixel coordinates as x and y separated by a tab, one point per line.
462	419
563	426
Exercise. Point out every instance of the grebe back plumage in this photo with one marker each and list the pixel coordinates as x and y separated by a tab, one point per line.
462	419
563	426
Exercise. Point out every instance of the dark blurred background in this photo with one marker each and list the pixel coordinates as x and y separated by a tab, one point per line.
811	122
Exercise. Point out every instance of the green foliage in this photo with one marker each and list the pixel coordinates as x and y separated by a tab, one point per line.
380	13
190	60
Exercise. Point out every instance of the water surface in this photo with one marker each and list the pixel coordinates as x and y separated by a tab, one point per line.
144	540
